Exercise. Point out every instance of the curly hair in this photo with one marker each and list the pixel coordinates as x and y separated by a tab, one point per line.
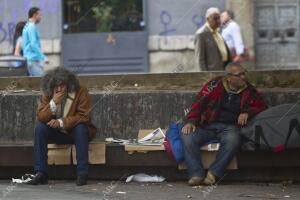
57	76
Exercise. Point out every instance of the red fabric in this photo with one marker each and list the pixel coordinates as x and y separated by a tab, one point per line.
168	148
209	100
278	148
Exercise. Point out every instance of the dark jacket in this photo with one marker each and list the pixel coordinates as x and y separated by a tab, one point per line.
207	106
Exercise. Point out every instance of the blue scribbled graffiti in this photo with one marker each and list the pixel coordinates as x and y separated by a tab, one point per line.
166	20
198	20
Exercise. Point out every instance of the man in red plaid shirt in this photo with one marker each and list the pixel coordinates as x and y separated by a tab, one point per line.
223	105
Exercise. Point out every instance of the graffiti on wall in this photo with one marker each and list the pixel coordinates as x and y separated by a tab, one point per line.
168	26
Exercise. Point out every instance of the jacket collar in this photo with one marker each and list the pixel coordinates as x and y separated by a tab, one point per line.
227	88
210	29
69	102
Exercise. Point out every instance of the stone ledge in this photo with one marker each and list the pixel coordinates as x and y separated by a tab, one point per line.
165	81
171	43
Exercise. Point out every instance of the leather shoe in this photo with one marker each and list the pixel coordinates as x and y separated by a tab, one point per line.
210	179
81	180
40	178
195	181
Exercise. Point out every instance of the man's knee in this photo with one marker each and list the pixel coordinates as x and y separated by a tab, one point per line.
80	130
41	128
187	139
232	138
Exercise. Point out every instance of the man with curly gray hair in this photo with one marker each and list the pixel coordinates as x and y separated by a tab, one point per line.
64	117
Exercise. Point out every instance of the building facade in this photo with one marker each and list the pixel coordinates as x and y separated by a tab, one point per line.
140	36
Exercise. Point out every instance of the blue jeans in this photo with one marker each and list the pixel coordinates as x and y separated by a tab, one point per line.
35	68
79	137
229	139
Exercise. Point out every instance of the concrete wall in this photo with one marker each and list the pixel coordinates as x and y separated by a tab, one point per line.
119	114
165	17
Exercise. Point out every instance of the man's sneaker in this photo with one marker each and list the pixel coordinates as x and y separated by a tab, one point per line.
40	178
210	179
81	180
195	181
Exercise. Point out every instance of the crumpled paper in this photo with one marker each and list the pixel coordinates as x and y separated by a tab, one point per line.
24	179
145	178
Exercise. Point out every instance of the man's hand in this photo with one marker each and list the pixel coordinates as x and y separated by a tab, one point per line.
237	59
188	128
47	61
53	123
243	118
58	97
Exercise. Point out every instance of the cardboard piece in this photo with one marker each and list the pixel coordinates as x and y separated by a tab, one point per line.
59	154
144	148
96	153
65	154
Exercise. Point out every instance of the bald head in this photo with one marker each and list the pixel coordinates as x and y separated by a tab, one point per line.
232	67
236	75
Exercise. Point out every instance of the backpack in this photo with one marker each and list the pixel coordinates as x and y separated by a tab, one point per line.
173	144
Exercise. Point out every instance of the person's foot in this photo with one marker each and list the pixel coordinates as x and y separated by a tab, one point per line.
210	179
81	180
195	181
40	178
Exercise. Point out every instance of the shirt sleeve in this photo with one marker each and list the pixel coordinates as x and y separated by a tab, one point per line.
34	42
61	123
52	106
237	39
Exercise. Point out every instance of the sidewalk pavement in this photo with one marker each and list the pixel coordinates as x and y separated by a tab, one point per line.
116	190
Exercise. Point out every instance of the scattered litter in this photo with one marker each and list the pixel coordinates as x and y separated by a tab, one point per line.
18	91
169	185
119	141
286	196
197	187
119	192
24	179
136	85
17	180
189	196
145	178
259	196
156	137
